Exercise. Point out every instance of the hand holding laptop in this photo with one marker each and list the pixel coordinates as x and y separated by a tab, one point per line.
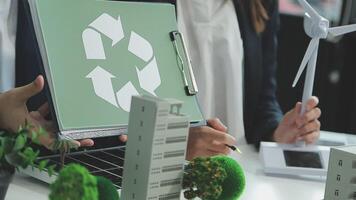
14	112
13	109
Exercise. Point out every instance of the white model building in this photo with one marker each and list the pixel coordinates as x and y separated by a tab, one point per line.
155	151
341	180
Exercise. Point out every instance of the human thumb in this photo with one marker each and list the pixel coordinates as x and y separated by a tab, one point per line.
31	89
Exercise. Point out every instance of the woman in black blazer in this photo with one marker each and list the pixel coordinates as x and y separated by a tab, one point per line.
263	119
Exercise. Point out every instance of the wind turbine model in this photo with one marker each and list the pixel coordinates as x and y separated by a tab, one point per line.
316	27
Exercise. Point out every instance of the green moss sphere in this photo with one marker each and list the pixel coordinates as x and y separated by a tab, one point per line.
107	190
234	184
74	183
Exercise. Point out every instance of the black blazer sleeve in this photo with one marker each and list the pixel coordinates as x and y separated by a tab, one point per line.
262	112
269	113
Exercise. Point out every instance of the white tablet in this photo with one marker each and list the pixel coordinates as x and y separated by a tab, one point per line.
332	139
289	159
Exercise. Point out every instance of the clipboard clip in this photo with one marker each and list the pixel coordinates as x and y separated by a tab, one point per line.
190	86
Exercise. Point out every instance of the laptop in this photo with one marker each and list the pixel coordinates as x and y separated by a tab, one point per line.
95	56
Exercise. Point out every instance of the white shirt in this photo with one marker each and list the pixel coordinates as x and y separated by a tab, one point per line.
8	22
214	42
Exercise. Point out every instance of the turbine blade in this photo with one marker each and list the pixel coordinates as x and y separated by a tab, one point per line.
340	30
313	45
309	9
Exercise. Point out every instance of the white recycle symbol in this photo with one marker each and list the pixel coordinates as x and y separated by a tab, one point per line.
149	77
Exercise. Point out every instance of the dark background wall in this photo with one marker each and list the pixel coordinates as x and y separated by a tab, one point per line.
335	81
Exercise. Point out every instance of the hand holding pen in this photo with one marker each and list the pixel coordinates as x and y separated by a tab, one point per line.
218	125
209	140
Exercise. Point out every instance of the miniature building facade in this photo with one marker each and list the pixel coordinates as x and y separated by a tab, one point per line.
341	179
155	151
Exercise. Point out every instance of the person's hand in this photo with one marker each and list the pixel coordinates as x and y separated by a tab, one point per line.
209	140
295	127
205	140
38	119
14	112
123	138
13	109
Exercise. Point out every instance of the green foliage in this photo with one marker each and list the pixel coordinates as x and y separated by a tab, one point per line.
74	183
214	178
203	178
234	184
106	189
15	150
63	145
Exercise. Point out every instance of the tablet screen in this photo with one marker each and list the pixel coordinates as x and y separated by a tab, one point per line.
302	159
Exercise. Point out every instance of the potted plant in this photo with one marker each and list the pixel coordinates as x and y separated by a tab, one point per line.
16	152
213	178
75	182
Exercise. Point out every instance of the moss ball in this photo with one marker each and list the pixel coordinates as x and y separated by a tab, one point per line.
234	184
107	190
74	183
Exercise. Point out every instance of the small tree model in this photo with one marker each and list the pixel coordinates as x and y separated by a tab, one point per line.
234	184
107	190
213	178
64	146
16	151
203	178
75	182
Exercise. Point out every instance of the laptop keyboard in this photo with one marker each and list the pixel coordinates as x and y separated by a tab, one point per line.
105	162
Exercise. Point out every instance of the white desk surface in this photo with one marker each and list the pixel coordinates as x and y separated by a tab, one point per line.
258	185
